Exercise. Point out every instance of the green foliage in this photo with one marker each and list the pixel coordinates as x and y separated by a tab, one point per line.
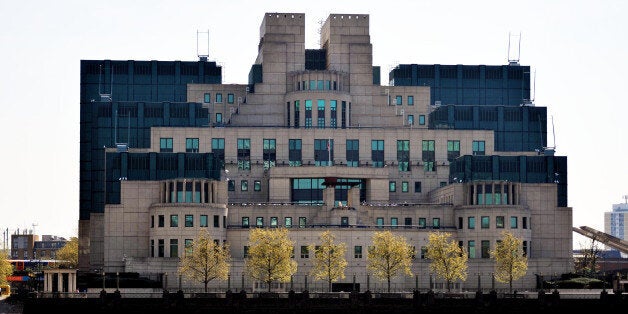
510	263
68	254
449	261
6	269
205	260
389	256
329	259
270	255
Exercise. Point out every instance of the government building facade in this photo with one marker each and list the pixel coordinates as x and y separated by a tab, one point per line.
315	142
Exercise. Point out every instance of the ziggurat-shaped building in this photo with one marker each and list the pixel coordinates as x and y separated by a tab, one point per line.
315	142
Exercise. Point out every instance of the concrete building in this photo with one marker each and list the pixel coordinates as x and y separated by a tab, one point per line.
313	142
616	220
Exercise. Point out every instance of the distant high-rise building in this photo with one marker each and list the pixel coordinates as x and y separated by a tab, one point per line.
314	142
616	221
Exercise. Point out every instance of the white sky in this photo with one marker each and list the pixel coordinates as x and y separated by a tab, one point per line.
578	50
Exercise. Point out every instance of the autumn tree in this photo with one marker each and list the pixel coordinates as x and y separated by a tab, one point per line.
6	269
510	262
270	256
329	259
205	260
586	264
448	260
389	256
68	254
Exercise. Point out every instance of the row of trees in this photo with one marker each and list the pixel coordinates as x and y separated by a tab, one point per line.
270	258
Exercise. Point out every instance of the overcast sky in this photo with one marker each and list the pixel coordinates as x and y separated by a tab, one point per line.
578	50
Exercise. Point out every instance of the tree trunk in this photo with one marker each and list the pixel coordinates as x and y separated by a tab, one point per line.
388	284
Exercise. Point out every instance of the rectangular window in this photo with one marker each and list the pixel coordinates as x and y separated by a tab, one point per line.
231	185
259	222
524	222
377	153
244	185
357	251
485	222
513	222
436	223
230	98
189	220
423	252
203	222
244	153
245	222
302	222
323	152
152	248
404	186
403	155
216	221
460	225
525	248
174	248
305	252
417	186
287	222
188	246
486	248
174	221
453	150
471	249
421	120
499	222
191	145
207	98
160	247
380	222
161	221
353	153
218	97
257	185
429	155
344	221
218	149
294	152
308	113
392	186
269	152
224	221
165	145
408	222
410	119
422	223
399	100
410	100
152	221
394	222
218	118
333	114
320	110
297	114
471	222
478	148
245	251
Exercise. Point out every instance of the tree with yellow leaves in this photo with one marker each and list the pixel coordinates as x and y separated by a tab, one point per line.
510	262
389	256
270	256
6	269
68	254
329	259
205	260
449	261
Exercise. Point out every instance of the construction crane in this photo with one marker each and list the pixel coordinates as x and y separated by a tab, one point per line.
604	238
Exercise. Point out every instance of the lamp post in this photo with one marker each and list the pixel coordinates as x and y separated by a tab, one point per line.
103	280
